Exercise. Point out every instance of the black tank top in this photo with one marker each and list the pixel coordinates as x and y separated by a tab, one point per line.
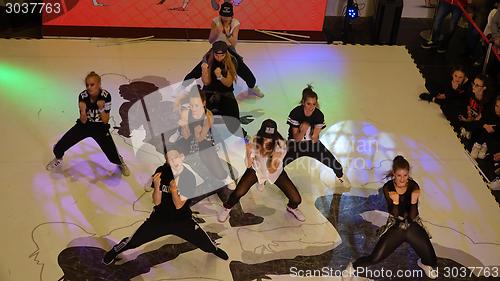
404	209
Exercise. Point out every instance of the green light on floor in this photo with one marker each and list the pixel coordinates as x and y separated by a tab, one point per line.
26	89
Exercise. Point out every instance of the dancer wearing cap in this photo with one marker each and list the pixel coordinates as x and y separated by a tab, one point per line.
218	76
264	161
306	121
226	28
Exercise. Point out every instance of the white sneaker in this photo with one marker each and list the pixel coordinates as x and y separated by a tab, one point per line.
223	215
296	213
494	185
428	270
482	152
256	92
55	163
260	186
464	133
345	182
475	150
124	169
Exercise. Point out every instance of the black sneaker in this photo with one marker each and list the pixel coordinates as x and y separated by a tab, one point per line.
221	254
109	257
425	96
428	45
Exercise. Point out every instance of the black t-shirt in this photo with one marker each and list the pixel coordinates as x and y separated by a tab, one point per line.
92	109
405	208
297	116
217	85
458	95
166	209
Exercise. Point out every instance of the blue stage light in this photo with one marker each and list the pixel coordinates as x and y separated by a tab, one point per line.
352	10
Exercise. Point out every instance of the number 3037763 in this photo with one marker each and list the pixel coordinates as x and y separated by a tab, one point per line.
32	8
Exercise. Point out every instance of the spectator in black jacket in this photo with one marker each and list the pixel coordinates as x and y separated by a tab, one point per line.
486	138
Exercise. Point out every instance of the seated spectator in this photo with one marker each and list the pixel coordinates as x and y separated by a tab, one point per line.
486	137
449	92
475	105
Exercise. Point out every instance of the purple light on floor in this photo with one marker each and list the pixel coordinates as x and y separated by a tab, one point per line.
434	194
369	129
59	204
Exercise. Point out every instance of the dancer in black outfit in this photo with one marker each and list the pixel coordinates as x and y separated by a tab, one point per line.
306	121
403	224
226	28
171	214
218	73
95	106
195	126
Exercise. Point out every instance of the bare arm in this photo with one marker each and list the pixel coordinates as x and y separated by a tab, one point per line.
83	112
214	33
315	135
156	189
205	74
300	132
226	81
176	197
249	154
233	39
277	158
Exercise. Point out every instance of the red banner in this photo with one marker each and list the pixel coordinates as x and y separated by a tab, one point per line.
307	15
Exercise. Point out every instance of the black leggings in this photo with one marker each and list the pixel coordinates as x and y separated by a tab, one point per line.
242	70
155	227
315	150
415	235
99	132
249	178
